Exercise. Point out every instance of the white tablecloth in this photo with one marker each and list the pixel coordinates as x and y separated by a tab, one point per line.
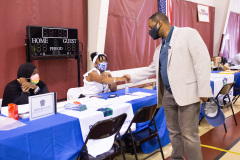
91	116
219	81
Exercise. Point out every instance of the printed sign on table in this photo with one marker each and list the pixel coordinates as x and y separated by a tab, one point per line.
42	105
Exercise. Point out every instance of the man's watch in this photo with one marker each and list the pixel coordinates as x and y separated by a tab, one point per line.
36	90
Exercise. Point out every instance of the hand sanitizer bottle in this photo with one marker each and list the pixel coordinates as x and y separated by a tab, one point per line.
126	88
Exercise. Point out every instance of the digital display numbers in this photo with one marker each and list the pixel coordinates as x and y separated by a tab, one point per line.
54	33
51	41
40	46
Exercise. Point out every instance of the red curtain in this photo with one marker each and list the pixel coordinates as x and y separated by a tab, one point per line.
231	39
128	44
185	14
59	75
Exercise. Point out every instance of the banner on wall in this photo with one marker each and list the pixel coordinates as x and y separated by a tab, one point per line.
203	13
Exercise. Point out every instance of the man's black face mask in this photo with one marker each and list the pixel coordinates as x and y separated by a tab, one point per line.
154	32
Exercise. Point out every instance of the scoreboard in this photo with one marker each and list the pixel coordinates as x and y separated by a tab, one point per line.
51	42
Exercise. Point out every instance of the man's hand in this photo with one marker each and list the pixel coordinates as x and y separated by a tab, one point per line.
204	99
128	77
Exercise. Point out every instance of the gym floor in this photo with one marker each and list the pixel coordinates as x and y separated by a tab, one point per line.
213	137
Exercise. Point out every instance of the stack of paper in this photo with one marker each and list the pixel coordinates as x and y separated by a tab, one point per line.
128	97
9	123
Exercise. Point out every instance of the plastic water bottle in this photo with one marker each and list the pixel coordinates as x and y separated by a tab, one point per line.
126	88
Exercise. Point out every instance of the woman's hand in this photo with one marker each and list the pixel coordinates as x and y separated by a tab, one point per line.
106	74
26	86
22	80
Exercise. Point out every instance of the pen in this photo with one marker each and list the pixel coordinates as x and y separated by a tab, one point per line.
96	96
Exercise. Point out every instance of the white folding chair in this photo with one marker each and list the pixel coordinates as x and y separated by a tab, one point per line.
74	93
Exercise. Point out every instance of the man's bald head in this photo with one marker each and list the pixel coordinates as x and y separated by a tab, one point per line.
159	16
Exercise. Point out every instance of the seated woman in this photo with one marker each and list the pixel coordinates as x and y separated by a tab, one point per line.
26	84
97	80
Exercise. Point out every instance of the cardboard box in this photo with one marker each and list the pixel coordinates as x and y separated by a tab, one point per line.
216	60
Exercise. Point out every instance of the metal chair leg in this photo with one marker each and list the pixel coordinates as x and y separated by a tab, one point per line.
235	99
134	148
123	154
234	115
121	145
225	127
160	146
200	121
159	142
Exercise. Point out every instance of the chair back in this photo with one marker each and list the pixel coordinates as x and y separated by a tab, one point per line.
144	114
74	93
107	128
226	88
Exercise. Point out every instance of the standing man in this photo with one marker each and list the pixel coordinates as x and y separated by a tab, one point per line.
182	66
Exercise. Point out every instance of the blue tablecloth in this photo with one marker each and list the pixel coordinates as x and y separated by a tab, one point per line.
54	137
152	145
59	136
236	89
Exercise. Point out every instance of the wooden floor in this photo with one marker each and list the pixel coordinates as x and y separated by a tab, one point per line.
218	138
215	137
229	156
211	136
